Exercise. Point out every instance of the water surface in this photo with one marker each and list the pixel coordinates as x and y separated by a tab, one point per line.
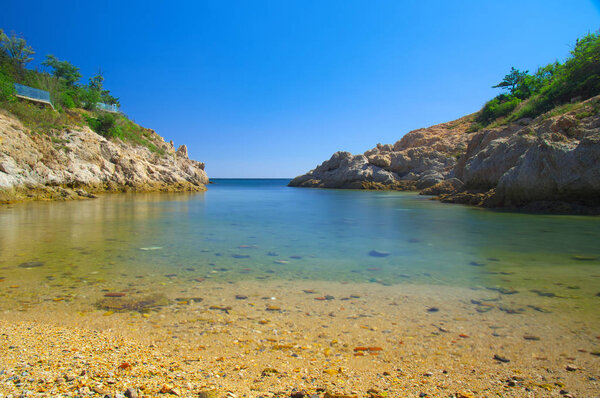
264	230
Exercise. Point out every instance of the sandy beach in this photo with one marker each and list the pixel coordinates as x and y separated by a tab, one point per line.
314	339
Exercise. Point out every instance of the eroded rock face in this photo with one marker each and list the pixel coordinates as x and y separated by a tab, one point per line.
551	171
422	158
549	159
77	163
344	170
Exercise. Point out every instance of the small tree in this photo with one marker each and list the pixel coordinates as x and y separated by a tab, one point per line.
96	83
89	97
16	48
63	70
512	81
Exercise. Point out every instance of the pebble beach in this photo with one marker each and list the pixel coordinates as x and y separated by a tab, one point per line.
302	339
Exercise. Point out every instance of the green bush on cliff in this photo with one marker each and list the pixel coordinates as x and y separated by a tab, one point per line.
500	106
555	84
39	119
118	126
7	89
105	125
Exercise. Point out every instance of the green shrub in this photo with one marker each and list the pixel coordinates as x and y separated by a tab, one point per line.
7	89
105	125
475	126
498	107
89	98
38	118
551	86
67	100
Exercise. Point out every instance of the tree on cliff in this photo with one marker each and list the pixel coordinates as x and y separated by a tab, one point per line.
16	48
96	84
512	81
63	70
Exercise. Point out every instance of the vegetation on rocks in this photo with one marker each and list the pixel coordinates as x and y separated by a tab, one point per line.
75	103
553	85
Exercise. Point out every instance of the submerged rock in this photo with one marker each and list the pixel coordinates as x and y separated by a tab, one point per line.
375	253
31	264
504	290
584	258
133	303
501	358
239	256
543	294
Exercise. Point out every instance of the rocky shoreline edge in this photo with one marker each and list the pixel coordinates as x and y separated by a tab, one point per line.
77	163
76	192
547	164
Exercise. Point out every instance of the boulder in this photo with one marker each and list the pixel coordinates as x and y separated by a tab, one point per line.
551	171
429	179
444	187
182	152
344	170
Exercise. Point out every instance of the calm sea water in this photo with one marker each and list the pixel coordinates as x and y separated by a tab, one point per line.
261	229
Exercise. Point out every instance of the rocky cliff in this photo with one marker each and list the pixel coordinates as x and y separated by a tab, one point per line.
79	163
554	158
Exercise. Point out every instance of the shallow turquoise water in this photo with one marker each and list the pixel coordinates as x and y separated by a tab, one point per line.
261	229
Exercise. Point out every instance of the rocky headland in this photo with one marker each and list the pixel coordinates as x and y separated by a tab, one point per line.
550	163
78	163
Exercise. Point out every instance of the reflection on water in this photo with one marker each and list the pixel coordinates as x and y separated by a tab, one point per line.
261	229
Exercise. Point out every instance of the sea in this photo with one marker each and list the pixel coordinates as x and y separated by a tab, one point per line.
75	252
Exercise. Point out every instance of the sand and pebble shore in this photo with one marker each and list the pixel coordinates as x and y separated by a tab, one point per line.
303	339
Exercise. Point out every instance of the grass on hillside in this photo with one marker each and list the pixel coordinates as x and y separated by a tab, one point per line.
44	120
74	103
553	89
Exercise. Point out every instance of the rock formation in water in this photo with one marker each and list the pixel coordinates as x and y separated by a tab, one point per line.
78	163
551	159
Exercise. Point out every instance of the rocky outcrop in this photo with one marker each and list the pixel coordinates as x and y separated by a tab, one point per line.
421	159
550	159
345	170
554	158
79	163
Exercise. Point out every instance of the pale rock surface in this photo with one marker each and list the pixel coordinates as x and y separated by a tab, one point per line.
554	171
425	156
33	166
345	170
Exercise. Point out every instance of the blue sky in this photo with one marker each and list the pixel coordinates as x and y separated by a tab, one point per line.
273	88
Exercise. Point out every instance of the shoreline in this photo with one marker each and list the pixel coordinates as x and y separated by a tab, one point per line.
473	198
365	341
63	192
478	199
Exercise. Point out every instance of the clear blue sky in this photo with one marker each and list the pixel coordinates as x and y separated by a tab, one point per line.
273	88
